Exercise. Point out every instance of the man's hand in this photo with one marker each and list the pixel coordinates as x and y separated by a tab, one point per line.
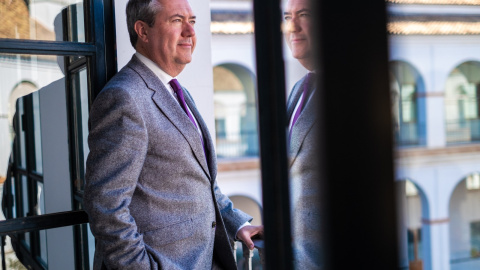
248	232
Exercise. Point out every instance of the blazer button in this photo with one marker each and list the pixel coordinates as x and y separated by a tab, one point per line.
214	224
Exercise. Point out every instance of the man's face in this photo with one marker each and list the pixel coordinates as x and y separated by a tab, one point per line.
297	29
171	40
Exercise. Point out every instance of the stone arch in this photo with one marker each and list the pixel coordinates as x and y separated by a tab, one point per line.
249	206
414	236
462	110
464	229
409	104
235	110
21	89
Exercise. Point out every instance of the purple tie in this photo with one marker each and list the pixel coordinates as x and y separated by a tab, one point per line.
178	91
307	89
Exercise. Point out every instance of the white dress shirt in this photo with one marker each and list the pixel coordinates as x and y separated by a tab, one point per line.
165	79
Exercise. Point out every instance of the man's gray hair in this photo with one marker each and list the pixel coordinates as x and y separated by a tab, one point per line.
140	10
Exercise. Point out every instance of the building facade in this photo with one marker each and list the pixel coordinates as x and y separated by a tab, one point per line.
435	82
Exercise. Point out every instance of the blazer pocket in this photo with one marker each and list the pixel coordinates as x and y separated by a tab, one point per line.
172	233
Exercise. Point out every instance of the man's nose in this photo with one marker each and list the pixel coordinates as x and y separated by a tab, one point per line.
188	30
291	26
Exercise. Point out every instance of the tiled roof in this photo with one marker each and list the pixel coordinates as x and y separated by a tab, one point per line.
231	28
229	15
434	25
433	28
436	2
405	27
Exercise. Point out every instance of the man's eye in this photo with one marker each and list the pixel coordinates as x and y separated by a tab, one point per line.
193	22
287	18
304	15
176	20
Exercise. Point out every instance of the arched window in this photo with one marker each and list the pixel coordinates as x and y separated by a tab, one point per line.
461	103
465	223
408	106
235	111
412	207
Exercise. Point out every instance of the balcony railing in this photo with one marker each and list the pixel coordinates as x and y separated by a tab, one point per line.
57	220
243	144
248	254
463	131
409	134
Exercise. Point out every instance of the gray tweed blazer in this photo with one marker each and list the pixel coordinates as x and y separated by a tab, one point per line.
304	181
152	198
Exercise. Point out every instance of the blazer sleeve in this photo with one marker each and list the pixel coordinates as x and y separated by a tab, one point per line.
233	218
118	147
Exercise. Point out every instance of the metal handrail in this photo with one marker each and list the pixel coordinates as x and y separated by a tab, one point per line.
42	222
248	254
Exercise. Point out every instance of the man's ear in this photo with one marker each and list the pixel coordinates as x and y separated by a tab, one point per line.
142	30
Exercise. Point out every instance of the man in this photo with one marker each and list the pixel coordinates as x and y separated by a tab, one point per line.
151	193
302	136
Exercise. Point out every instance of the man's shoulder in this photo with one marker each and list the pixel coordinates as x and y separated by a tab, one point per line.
127	78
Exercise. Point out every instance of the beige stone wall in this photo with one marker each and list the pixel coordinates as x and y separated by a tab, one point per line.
15	19
17	24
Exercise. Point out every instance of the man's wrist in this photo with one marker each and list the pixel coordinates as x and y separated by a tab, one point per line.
243	225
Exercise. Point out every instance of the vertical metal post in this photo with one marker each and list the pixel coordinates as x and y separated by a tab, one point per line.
247	257
4	265
356	144
272	129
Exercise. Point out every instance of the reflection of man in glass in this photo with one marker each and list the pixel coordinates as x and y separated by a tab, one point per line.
302	138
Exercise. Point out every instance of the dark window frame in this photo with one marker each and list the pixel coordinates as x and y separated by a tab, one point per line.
98	53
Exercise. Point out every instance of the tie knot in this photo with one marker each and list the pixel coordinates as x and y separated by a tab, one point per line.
175	85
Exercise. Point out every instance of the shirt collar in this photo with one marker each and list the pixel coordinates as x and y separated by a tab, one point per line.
162	75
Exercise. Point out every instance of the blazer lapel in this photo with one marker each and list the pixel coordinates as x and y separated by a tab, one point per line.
303	125
209	147
293	98
172	110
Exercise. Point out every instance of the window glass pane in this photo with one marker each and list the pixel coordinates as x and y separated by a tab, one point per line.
37	133
408	103
91	247
14	199
461	103
60	241
434	53
43	20
301	110
43	246
21	140
40	207
20	76
43	78
25	197
27	240
235	108
235	111
80	87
